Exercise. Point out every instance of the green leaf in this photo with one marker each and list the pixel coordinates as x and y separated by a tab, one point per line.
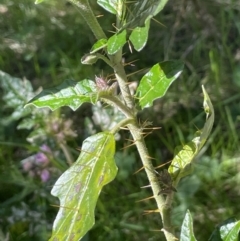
27	123
233	233
181	165
139	36
79	187
16	93
89	59
100	44
156	82
109	5
69	93
187	228
208	108
139	12
116	42
226	231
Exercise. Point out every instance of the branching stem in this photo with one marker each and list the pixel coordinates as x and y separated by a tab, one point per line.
121	124
130	112
115	101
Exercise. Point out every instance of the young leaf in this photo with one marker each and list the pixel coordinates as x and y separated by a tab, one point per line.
100	44
187	228
139	36
226	231
139	12
89	59
109	5
116	42
69	93
156	82
181	165
208	108
79	187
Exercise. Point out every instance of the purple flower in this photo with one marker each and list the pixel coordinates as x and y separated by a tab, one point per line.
36	165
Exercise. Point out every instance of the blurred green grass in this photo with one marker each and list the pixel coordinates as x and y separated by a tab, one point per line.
45	43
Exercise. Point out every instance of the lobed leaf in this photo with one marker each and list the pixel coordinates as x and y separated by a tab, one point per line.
116	42
139	36
69	93
181	165
156	82
79	187
187	228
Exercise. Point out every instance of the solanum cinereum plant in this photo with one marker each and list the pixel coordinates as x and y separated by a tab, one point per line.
78	188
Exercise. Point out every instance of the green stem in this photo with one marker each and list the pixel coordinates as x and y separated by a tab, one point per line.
114	101
121	77
129	110
163	207
121	124
67	153
88	15
105	59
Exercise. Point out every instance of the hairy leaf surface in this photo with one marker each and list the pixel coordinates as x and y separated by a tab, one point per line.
156	82
79	187
181	165
69	93
187	228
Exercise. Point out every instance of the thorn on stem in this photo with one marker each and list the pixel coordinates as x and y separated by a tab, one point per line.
145	199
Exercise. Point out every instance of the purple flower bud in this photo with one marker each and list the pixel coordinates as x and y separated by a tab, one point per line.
41	159
45	148
45	175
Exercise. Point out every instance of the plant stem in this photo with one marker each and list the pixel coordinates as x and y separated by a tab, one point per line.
105	59
67	153
114	101
163	207
130	111
121	124
121	77
88	15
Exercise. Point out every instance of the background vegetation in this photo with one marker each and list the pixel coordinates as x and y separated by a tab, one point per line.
44	44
